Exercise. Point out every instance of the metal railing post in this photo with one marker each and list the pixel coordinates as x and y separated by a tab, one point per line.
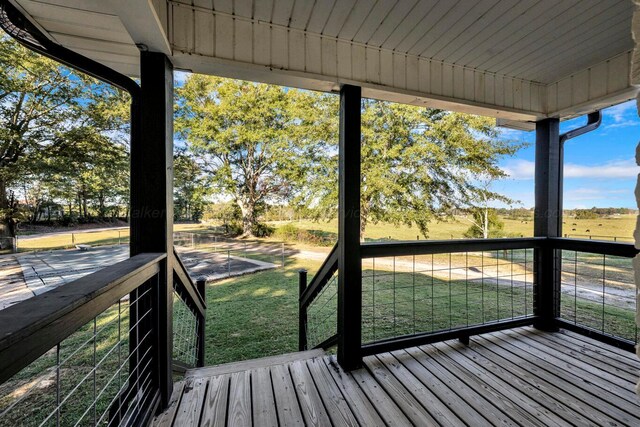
201	287
302	311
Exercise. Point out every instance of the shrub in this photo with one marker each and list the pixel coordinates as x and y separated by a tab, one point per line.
262	230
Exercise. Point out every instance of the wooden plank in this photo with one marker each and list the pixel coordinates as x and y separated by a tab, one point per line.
166	418
300	14
595	347
214	413
596	360
289	412
359	400
519	414
310	402
584	390
264	404
400	395
573	365
465	394
393	19
420	390
337	17
514	388
245	365
373	19
190	408
540	380
239	412
354	20
282	12
432	382
334	401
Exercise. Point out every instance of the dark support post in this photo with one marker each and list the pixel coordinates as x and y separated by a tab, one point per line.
547	222
302	312
201	286
349	260
152	201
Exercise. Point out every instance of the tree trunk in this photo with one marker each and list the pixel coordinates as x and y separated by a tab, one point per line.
485	225
5	230
249	220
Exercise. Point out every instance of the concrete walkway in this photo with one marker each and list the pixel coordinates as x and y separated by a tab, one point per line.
26	275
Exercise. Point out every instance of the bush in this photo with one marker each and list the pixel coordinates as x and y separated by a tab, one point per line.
287	232
292	233
232	228
262	230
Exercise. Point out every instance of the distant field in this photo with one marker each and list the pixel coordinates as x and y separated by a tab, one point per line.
601	228
66	240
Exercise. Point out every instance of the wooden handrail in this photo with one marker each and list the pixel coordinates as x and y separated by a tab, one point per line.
324	274
31	328
187	288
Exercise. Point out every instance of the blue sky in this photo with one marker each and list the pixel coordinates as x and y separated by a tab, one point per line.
600	167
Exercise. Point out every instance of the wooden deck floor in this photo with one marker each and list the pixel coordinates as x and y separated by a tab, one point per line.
516	377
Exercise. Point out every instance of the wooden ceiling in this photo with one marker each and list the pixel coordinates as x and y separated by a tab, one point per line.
515	59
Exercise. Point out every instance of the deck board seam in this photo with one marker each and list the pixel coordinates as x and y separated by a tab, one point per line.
550	389
522	396
586	358
460	376
597	378
472	382
568	378
418	398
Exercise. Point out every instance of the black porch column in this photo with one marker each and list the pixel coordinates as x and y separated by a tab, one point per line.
547	222
152	202
349	261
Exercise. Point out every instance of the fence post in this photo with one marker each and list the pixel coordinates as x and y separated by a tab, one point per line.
245	249
229	262
73	239
282	249
302	311
201	287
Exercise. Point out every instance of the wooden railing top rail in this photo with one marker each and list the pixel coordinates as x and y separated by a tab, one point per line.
328	267
32	327
186	285
426	247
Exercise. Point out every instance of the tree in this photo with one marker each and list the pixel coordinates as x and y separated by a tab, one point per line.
42	104
190	188
251	139
418	164
485	223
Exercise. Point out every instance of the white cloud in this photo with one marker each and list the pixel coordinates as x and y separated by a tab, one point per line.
620	112
591	194
525	169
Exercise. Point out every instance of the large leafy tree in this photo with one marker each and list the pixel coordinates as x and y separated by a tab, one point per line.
418	164
43	104
252	139
190	188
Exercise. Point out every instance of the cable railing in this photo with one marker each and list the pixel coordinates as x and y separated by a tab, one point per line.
83	353
188	318
428	291
415	292
91	352
318	305
598	293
